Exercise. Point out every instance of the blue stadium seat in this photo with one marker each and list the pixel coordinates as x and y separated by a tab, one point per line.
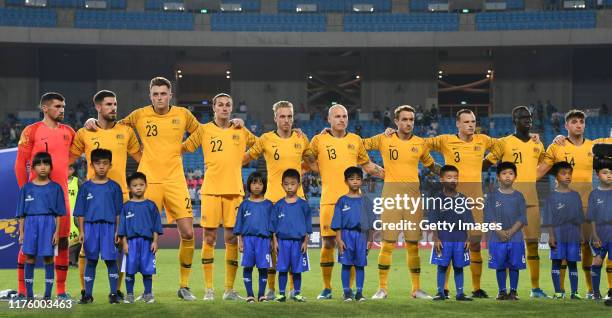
535	20
134	20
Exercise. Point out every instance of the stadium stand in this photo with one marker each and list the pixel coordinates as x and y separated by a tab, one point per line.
535	20
245	5
401	22
334	5
44	18
94	19
268	22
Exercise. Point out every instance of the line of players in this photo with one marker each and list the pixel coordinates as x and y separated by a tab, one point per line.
161	127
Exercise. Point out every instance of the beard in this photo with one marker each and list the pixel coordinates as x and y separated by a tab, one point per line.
110	117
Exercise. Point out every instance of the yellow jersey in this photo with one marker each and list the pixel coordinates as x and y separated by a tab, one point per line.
120	140
161	137
605	140
526	155
334	155
400	157
465	156
280	154
580	157
223	150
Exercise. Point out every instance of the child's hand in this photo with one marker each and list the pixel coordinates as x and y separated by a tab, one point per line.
240	246
55	238
125	247
81	237
154	247
438	247
20	238
304	247
596	242
466	245
501	234
117	239
341	247
369	245
275	246
552	242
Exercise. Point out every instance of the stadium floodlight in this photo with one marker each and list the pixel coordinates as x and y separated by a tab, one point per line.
306	7
574	4
363	8
231	7
309	76
357	76
228	72
36	3
174	6
228	77
203	11
179	71
95	4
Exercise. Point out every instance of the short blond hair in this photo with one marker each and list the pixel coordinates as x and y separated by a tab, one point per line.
281	104
402	108
334	107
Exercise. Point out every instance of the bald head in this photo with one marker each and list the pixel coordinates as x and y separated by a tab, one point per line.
338	118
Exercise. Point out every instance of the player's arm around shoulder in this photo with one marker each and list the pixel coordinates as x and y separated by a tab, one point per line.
194	141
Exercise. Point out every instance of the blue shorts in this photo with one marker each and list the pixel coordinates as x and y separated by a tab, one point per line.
606	248
355	252
38	233
290	257
100	240
566	251
451	251
139	258
256	252
507	255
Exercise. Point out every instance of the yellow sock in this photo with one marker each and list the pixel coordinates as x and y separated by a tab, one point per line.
414	264
384	263
533	262
290	280
327	266
272	272
476	268
120	280
231	265
562	272
185	258
208	258
587	260
82	263
609	271
446	280
352	277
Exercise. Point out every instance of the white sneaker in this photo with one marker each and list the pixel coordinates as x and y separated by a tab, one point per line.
231	295
271	295
210	295
183	293
380	294
421	294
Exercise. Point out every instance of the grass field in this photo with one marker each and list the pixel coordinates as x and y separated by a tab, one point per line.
399	303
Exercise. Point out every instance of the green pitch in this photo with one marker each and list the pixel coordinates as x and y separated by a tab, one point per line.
399	303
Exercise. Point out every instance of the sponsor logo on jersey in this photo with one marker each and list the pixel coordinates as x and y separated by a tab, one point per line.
89	196
345	208
498	204
29	198
130	214
560	206
600	201
247	213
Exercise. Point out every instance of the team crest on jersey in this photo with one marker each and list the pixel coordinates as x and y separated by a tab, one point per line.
66	137
414	149
477	148
351	147
235	137
176	121
297	146
536	149
120	136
